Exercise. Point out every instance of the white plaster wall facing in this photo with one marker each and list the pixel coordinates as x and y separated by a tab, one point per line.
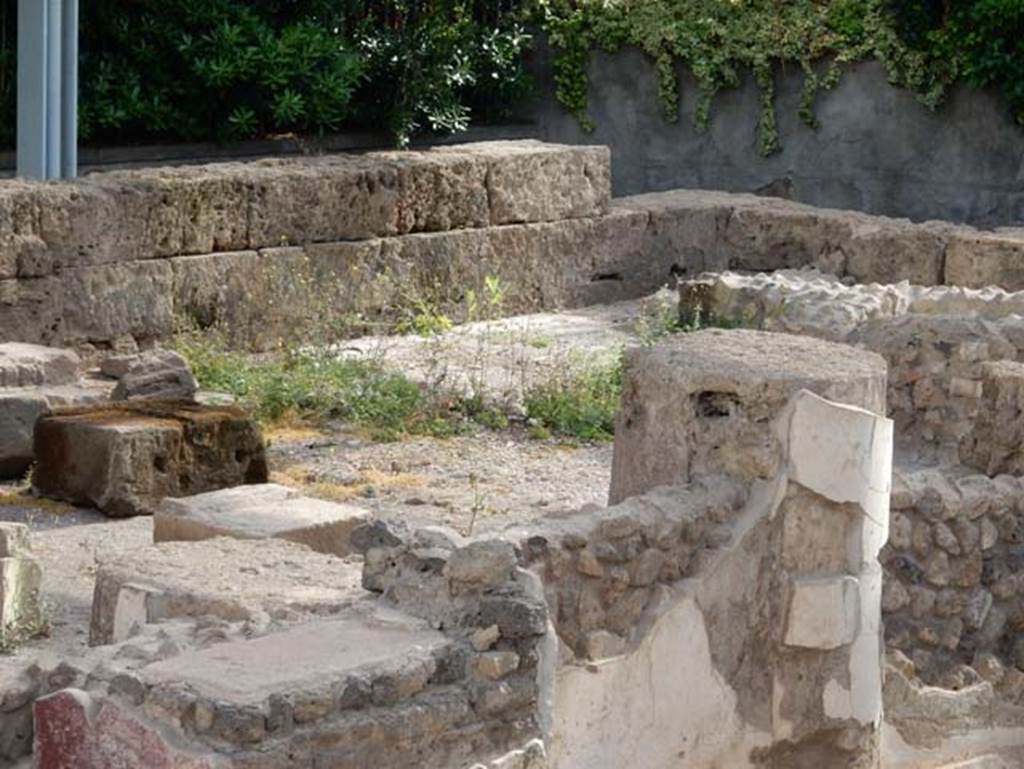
664	705
661	706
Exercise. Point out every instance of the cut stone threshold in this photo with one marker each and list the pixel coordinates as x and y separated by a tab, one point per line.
258	512
368	640
233	579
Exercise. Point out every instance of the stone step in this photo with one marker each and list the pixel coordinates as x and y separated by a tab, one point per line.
232	579
258	512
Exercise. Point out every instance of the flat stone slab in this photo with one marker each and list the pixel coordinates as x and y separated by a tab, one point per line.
307	658
124	459
233	579
26	365
258	512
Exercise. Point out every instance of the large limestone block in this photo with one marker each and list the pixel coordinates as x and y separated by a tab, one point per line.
228	578
258	512
710	230
124	459
262	297
977	259
26	365
89	305
581	179
152	213
704	403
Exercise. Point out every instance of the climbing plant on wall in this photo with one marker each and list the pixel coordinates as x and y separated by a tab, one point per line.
721	40
236	69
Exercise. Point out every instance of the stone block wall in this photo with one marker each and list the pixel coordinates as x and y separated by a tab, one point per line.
118	259
99	261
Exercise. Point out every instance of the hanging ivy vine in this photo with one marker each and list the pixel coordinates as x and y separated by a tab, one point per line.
720	40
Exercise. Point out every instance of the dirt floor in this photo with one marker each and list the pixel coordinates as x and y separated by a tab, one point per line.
474	483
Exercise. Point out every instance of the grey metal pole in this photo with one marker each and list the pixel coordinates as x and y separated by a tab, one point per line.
54	22
69	93
31	123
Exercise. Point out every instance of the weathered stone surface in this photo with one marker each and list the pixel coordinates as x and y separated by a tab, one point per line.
258	512
958	573
74	730
935	339
28	365
712	230
995	443
124	459
152	213
315	656
20	407
227	578
20	579
697	403
261	298
824	612
977	259
156	375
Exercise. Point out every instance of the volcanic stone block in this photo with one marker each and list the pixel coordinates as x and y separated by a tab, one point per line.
123	459
995	443
233	579
704	403
258	512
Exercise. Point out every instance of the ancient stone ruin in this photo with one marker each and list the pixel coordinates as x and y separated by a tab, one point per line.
811	553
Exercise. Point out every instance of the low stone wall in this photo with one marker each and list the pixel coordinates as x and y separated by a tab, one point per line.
954	561
572	642
953	593
266	248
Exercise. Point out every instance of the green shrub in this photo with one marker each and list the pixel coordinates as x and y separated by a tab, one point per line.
222	69
986	41
237	69
433	64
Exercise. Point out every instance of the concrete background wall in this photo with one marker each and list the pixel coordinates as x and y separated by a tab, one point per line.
877	149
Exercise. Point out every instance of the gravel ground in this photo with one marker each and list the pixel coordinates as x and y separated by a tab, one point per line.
473	484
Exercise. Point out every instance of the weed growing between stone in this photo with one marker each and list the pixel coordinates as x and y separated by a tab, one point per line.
310	387
580	404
